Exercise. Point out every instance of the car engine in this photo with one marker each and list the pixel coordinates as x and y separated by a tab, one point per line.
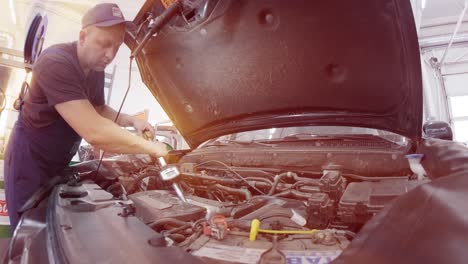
257	215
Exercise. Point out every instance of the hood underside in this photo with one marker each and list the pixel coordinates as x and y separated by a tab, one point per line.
244	65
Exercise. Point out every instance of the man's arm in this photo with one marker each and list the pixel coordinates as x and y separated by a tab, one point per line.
125	120
103	133
109	113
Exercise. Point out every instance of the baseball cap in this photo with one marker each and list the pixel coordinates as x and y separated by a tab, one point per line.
103	15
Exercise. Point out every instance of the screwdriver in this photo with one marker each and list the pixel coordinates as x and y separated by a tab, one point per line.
169	173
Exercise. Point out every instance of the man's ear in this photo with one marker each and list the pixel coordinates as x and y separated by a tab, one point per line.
83	36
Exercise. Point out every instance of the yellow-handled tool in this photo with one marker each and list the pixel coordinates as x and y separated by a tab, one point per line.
255	229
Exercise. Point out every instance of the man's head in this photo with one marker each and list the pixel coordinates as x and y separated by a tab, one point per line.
102	33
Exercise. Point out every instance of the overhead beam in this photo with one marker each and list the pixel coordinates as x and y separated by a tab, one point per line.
457	27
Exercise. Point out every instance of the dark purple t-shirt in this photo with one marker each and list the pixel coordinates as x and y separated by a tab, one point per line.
58	78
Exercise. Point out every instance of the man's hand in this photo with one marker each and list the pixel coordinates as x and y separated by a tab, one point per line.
159	149
125	120
143	128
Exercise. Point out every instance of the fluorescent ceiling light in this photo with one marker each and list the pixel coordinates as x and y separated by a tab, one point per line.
12	12
423	4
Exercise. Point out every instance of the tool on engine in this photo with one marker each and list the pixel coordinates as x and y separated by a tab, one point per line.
217	227
170	173
255	229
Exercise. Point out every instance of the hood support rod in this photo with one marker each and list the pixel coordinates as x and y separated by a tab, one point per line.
159	23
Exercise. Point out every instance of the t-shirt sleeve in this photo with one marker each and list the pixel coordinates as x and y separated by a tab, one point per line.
59	81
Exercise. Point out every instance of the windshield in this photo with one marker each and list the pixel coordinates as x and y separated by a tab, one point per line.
309	132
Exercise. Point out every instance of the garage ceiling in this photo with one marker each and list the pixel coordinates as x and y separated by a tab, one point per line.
436	9
440	16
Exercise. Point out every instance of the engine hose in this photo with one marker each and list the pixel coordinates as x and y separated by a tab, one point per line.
365	178
259	179
242	180
270	175
281	187
177	237
243	192
169	221
211	178
304	188
187	232
192	238
279	177
134	185
294	194
307	181
176	229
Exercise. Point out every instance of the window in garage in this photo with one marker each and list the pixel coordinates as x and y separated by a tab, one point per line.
455	79
459	117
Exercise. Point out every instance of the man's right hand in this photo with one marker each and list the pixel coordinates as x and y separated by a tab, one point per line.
158	149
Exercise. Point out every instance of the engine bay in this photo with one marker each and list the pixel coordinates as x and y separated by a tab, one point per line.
292	202
253	215
300	202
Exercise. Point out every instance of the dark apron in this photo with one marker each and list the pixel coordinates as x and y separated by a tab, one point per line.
33	156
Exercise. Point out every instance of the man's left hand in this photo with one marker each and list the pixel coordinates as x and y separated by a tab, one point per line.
143	127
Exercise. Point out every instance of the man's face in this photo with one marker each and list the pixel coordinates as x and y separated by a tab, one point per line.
100	45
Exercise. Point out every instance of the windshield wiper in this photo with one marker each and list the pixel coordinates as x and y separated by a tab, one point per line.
312	137
325	137
237	142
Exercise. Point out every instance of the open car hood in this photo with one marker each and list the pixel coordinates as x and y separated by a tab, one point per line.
232	66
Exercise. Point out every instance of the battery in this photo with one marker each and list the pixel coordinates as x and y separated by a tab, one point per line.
362	200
